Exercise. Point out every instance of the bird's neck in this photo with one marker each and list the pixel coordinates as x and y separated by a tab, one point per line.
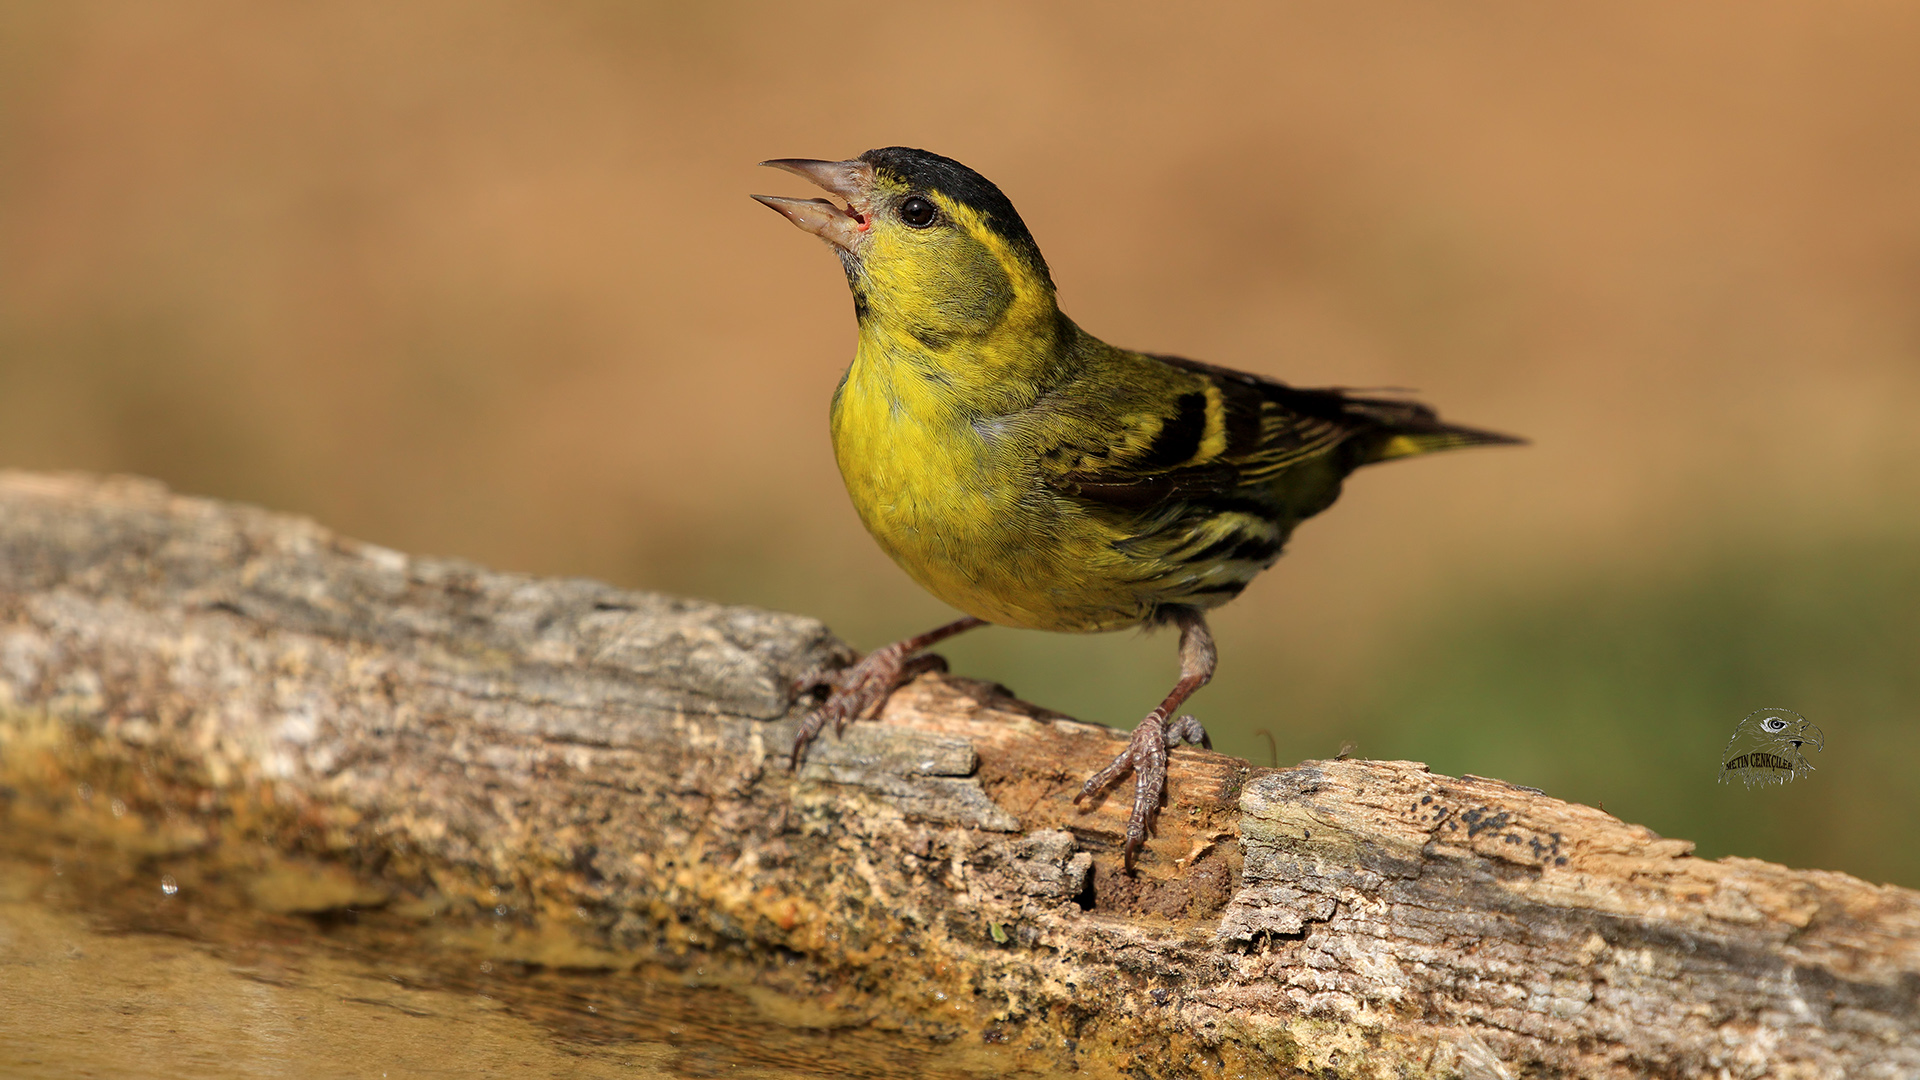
1000	371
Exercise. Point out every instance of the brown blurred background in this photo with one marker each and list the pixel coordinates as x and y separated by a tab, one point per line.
481	279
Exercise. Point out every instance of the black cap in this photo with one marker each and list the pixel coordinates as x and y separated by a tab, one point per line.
921	169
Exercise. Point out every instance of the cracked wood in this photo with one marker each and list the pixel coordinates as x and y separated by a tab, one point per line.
611	763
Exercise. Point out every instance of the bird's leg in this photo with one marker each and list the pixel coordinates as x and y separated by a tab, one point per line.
1146	754
858	691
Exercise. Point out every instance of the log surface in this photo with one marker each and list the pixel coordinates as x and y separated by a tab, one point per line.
610	766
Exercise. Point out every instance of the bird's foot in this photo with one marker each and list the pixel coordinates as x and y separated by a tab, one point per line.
858	691
1146	757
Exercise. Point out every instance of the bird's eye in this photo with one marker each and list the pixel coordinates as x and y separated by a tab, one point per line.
917	212
1774	723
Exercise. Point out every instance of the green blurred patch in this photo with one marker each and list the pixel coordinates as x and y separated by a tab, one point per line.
1622	689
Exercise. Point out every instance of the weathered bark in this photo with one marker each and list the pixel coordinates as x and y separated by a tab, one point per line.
610	765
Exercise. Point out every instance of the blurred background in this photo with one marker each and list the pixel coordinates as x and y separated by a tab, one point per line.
481	278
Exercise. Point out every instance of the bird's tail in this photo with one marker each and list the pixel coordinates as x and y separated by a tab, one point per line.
1406	428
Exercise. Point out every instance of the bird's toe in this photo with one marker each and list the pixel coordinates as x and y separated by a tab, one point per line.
1187	729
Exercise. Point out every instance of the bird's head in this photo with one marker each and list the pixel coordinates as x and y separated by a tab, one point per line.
931	248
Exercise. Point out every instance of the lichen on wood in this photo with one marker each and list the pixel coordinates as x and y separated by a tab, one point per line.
610	767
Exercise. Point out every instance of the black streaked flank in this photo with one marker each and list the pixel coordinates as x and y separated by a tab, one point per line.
929	171
1260	549
1179	438
1238	546
1216	549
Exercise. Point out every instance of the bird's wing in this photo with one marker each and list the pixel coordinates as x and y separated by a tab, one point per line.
1206	430
1202	431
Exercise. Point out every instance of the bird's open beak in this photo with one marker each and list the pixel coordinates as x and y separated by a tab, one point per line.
851	180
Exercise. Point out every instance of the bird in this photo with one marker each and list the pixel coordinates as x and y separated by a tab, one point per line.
1031	475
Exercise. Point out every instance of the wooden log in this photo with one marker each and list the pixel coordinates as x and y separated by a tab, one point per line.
610	766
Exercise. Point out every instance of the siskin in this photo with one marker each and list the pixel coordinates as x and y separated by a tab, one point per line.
1030	474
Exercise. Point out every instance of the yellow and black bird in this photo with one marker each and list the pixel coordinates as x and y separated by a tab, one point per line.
1032	475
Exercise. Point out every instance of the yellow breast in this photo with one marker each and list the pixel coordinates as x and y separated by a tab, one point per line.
960	510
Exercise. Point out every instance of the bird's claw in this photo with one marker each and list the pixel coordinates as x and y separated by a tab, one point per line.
856	692
1187	729
813	679
1146	757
